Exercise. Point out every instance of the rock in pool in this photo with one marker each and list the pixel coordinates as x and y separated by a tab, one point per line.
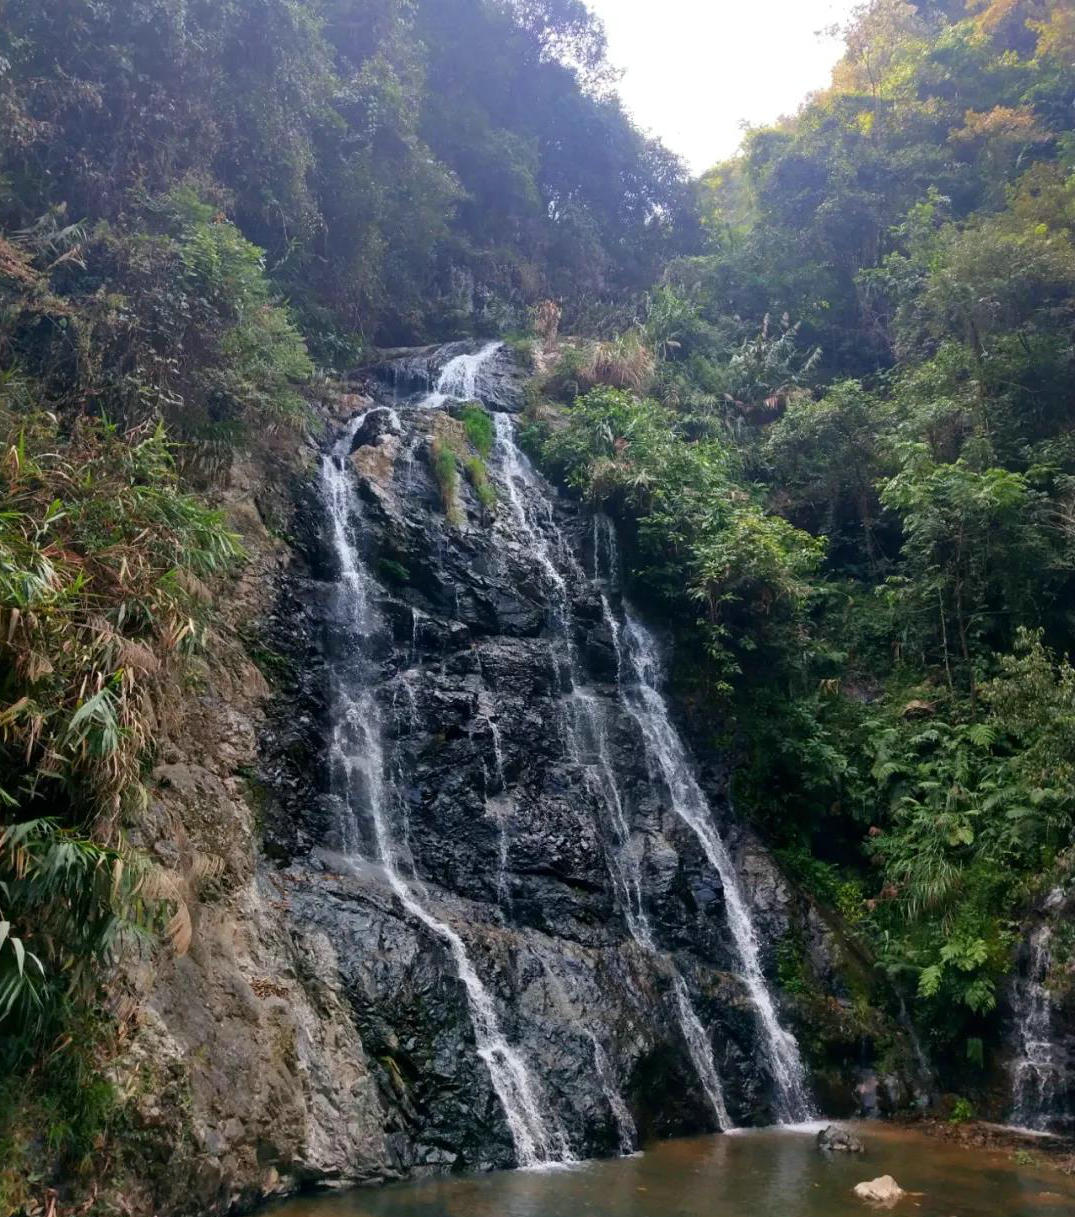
839	1140
884	1191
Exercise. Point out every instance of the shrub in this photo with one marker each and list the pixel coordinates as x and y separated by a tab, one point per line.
71	900
237	357
566	380
446	471
449	451
706	542
624	362
522	347
65	1107
102	558
169	315
478	428
478	477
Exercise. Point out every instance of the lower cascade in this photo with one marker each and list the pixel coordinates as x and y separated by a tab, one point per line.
546	941
1039	1072
667	755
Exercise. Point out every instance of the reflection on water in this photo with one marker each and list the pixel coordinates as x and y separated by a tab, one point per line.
769	1173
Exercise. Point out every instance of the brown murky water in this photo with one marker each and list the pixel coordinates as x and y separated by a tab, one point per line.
768	1173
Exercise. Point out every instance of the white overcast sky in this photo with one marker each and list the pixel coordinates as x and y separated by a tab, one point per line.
696	70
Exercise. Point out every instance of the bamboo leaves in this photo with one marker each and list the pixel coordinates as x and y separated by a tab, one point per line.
102	559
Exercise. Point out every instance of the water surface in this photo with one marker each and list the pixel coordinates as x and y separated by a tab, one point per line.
767	1173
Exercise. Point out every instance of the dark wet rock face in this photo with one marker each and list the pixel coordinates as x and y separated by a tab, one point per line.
493	672
376	427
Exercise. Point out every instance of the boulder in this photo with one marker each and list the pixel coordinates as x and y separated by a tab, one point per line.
883	1190
839	1140
375	426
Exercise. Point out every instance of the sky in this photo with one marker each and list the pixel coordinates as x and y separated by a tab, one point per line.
696	70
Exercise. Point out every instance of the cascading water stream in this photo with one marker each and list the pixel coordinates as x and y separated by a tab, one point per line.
625	1125
665	749
369	794
519	479
359	781
460	378
587	737
640	679
499	804
1038	1070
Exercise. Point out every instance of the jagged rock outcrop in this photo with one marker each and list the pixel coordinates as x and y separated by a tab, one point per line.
244	1074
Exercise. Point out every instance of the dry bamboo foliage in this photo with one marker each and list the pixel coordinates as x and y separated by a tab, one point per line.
134	654
180	888
180	931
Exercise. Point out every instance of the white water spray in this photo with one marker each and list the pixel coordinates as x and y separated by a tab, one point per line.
587	737
669	759
1038	1070
523	491
625	1125
500	806
460	378
358	775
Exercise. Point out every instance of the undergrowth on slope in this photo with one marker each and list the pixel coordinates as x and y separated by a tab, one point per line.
115	343
478	428
445	461
103	563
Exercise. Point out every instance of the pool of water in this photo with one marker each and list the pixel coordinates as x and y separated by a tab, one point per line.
765	1173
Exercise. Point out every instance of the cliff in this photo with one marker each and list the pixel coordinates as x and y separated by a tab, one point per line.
321	1030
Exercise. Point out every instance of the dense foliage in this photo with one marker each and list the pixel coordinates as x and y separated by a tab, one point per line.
408	167
103	555
865	509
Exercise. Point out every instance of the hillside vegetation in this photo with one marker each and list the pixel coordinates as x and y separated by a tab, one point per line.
851	477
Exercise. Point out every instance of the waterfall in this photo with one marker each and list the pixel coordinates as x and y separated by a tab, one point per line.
523	490
371	785
1038	1072
669	759
701	1053
590	738
499	805
587	742
460	378
359	780
625	1125
637	653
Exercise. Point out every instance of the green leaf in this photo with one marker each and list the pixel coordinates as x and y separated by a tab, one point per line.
929	981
